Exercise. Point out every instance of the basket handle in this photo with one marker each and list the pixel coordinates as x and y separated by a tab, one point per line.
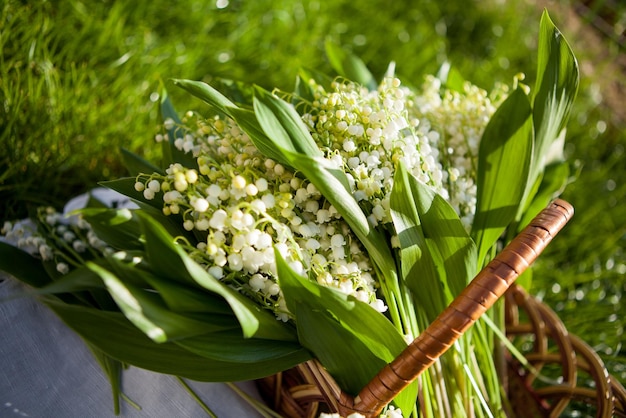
482	292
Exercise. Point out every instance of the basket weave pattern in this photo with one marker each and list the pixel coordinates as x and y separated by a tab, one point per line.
577	374
309	389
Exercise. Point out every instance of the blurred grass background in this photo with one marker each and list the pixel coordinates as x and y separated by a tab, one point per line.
80	78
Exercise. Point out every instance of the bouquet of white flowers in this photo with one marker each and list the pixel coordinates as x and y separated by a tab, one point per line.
334	222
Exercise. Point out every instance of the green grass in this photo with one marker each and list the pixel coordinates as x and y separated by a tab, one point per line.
79	79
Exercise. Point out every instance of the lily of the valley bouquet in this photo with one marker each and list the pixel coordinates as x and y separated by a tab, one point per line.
334	222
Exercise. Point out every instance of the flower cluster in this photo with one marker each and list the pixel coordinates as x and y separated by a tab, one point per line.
242	205
367	133
66	242
435	134
459	119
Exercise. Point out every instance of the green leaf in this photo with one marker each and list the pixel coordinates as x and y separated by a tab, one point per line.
208	94
280	122
504	159
117	227
112	333
137	165
299	150
231	346
418	266
303	88
553	182
113	369
432	238
146	310
333	185
351	339
179	296
245	118
171	261
78	280
555	91
451	77
171	154
349	66
182	298
22	266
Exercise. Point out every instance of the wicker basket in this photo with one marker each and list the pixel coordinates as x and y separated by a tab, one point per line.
308	389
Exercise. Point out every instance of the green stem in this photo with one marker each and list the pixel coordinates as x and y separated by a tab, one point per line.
261	408
195	396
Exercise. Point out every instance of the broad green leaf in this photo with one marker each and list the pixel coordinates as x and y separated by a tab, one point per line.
113	369
78	280
555	90
553	182
452	250
147	311
182	298
237	91
138	165
303	88
451	77
352	340
117	227
418	265
171	154
504	159
22	266
171	261
208	94
298	149
349	66
80	286
245	118
231	346
280	122
112	333
179	296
